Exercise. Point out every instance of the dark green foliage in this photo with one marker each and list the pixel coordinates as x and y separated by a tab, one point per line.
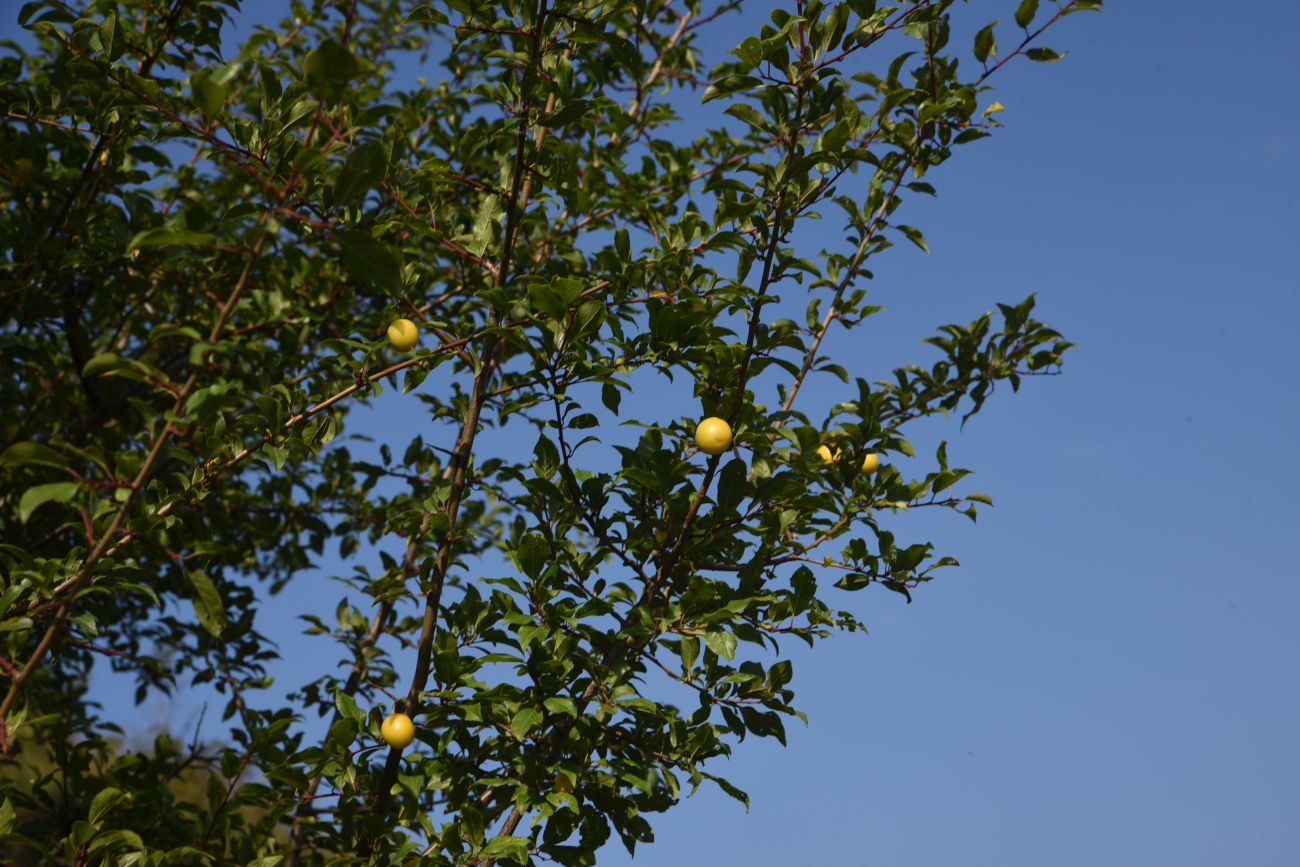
202	245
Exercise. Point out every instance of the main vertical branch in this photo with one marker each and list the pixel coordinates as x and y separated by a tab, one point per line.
520	190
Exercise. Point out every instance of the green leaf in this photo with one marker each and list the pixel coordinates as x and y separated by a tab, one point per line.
265	861
165	236
109	363
277	455
514	848
732	485
53	492
532	554
1025	12
370	260
328	67
721	643
104	801
525	719
561	704
730	788
853	581
914	235
165	330
347	706
32	454
690	652
485	224
7	816
748	114
728	85
207	403
986	44
119	839
898	587
113	47
1043	55
186	855
765	724
425	15
610	396
572	110
211	87
365	169
207	602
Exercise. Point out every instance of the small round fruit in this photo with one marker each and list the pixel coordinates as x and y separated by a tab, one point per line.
828	456
713	436
403	335
870	463
398	731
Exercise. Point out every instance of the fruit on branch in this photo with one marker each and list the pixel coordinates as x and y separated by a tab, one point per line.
870	463
827	455
403	335
713	436
398	731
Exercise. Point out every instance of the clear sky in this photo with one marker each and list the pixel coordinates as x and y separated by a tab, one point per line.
1111	677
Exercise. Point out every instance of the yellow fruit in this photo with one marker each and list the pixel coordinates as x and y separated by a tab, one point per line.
870	463
713	436
403	335
398	731
828	456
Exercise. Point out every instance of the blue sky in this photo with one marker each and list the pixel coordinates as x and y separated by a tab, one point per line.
1111	677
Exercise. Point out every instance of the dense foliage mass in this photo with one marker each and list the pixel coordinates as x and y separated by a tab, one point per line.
203	245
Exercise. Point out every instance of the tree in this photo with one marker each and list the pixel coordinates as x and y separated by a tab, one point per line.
203	248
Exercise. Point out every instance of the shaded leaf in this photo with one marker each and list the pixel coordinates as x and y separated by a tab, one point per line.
986	43
38	495
370	260
162	236
32	454
207	602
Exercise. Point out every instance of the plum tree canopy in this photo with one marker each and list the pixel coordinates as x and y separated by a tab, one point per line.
203	241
